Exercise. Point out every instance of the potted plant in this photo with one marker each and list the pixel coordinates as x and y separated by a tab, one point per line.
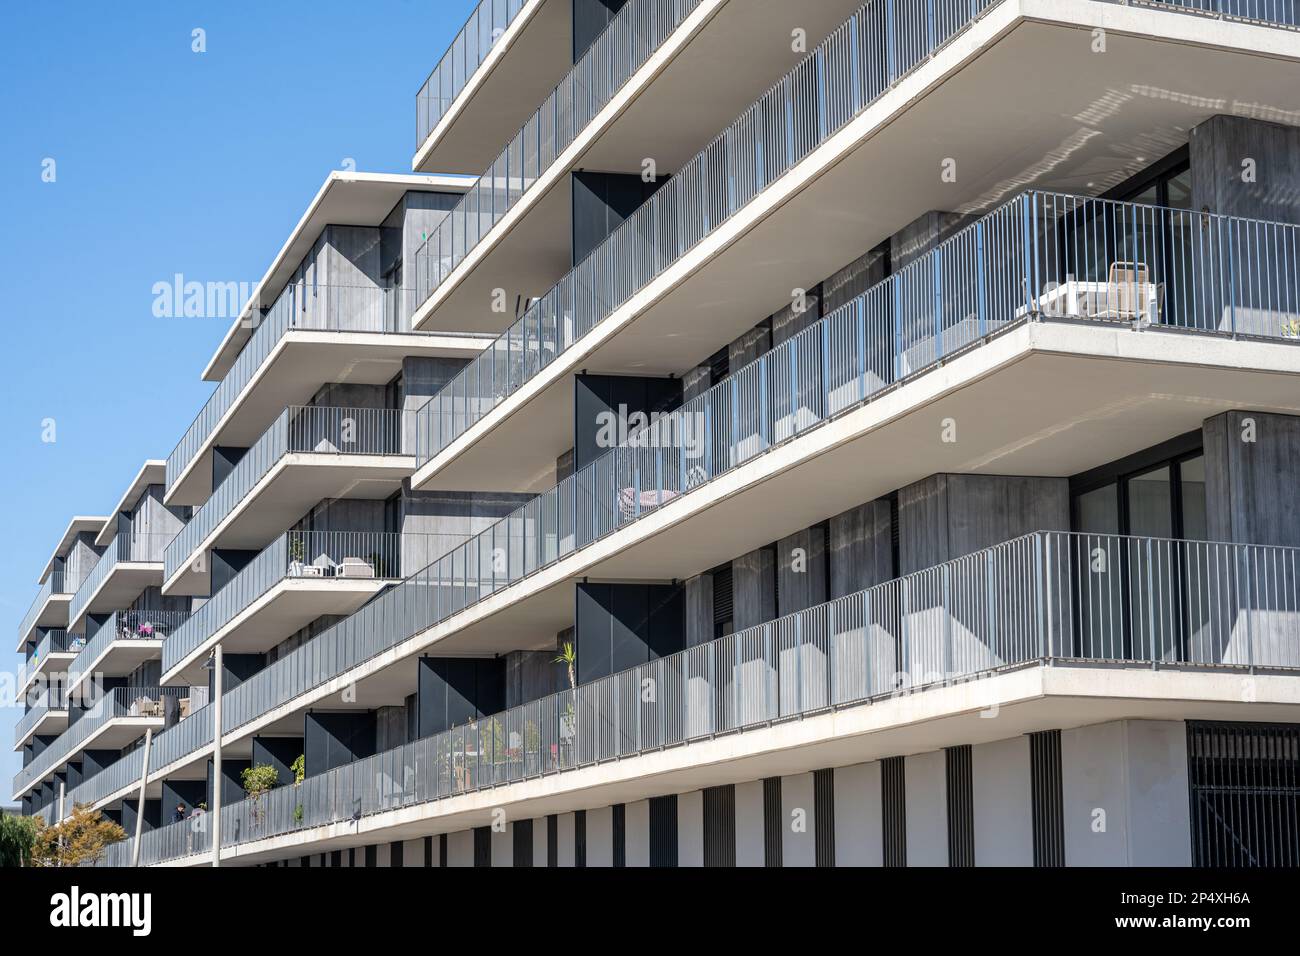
297	551
299	768
259	781
569	658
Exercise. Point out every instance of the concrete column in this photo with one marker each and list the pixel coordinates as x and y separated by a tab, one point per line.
637	823
798	821
1004	832
460	848
1126	794
690	828
858	824
539	842
503	846
565	835
413	852
925	778
749	824
600	837
801	570
422	378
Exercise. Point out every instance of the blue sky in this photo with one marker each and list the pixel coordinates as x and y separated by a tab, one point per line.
166	161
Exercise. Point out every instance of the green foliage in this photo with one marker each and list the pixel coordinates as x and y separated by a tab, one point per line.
17	835
299	768
569	658
297	814
259	780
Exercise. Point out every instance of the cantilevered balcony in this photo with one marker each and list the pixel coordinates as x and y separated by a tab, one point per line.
53	655
132	562
619	106
47	713
180	752
1137	296
298	577
312	335
839	155
505	49
1053	629
49	609
122	643
309	453
113	720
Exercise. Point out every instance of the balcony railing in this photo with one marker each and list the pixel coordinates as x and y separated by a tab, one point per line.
127	547
1043	598
104	707
55	641
147	625
299	428
627	41
40	704
295	554
184	738
54	584
301	306
850	70
469	49
1093	260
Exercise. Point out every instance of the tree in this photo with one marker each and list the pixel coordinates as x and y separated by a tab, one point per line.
79	839
17	834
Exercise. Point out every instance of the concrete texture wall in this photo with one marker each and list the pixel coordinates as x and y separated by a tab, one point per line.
1126	794
1220	146
801	566
280	753
532	675
82	555
861	549
925	778
434	522
422	378
858	821
922	234
945	516
414	218
1001	791
1251	460
754	588
698	609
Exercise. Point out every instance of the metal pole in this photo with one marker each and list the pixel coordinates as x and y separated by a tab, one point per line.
216	757
139	806
62	793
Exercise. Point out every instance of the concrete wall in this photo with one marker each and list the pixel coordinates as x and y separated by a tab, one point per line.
945	516
922	235
858	824
798	821
690	829
697	595
801	567
422	378
434	522
1251	460
861	549
1218	148
927	809
1126	794
1001	788
532	675
754	588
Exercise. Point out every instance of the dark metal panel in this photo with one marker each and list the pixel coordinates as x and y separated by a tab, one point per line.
1046	798
720	826
773	823
961	805
893	807
824	816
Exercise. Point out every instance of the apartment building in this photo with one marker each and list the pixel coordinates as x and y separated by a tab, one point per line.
819	434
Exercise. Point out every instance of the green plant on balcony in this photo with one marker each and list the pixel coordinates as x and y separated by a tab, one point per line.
297	550
1291	329
299	768
258	782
